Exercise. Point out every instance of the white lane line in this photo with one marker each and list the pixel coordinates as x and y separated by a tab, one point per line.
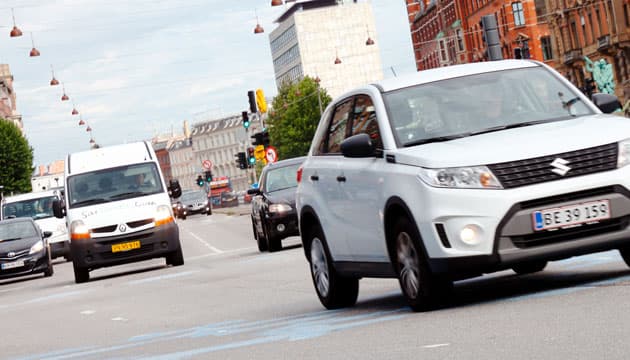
222	253
13	289
87	312
435	346
218	251
56	296
162	277
119	318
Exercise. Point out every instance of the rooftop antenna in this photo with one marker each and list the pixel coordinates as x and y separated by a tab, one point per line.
393	71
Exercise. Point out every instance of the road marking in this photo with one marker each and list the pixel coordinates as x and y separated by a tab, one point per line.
55	296
119	319
161	277
435	346
225	252
13	289
87	312
218	251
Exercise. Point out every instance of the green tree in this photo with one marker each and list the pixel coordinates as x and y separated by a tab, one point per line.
295	116
16	159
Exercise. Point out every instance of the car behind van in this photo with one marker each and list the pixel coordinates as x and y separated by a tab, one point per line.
117	209
38	206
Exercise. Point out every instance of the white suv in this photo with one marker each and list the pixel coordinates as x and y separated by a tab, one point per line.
458	171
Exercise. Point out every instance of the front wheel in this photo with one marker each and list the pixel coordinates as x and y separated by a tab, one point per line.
529	267
625	254
175	258
49	270
81	275
334	291
422	289
260	240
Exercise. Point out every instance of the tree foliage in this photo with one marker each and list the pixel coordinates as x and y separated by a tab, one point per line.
16	159
295	116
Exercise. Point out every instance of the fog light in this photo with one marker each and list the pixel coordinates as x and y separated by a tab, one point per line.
164	244
470	235
281	227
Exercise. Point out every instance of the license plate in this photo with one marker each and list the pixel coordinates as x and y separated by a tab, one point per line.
12	265
126	246
571	215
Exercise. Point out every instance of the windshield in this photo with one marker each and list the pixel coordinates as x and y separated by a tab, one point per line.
194	195
39	208
281	178
471	104
113	184
16	230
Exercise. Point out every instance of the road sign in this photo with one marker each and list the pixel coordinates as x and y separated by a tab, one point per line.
271	155
207	164
259	152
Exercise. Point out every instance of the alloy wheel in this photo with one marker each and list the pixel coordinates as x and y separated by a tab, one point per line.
408	264
319	267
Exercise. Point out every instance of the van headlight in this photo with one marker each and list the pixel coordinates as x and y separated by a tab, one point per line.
37	247
473	177
163	215
623	158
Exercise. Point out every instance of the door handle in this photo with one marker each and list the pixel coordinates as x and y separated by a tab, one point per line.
314	177
341	178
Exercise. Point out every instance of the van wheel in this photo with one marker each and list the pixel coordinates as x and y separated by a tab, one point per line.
81	275
422	289
529	267
333	290
175	258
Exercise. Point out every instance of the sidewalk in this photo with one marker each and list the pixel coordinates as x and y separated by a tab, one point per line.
241	210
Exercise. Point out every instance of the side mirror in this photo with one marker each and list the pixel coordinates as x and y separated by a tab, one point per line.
358	146
47	234
607	103
59	209
174	189
255	191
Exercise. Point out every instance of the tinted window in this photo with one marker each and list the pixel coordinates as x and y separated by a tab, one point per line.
17	230
281	178
337	131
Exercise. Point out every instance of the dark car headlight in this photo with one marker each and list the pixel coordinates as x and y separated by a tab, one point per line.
279	208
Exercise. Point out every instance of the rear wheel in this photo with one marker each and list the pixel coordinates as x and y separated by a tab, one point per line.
81	275
334	291
175	258
529	267
422	289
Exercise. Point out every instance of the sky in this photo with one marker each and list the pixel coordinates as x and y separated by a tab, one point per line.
134	69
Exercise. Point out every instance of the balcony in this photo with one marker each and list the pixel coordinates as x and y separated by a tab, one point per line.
603	43
571	56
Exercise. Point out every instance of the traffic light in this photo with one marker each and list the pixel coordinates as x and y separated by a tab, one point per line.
241	160
208	175
252	101
265	138
245	120
200	181
261	138
251	159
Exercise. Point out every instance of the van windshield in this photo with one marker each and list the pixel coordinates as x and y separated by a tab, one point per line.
113	184
37	208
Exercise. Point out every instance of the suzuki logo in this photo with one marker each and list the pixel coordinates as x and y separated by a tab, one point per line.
560	166
11	254
122	228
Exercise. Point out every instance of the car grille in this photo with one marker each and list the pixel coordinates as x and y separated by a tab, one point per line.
18	254
135	224
105	229
538	170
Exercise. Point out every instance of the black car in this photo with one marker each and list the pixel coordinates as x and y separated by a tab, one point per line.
24	249
273	205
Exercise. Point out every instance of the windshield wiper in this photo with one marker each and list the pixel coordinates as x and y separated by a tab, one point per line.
505	127
11	239
127	195
435	139
90	202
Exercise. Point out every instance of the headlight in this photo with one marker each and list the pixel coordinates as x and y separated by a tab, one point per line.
279	208
61	228
163	215
78	230
37	247
623	158
476	177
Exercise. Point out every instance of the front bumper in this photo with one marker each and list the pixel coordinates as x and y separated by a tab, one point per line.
155	242
282	225
33	264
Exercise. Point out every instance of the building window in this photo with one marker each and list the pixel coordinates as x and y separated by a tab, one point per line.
590	23
546	48
599	21
611	19
574	36
626	14
460	40
443	53
519	15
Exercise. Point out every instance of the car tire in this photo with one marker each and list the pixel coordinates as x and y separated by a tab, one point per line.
423	290
81	275
261	241
529	267
334	291
175	258
183	217
274	243
49	270
209	212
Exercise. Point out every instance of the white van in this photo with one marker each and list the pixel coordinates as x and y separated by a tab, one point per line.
117	209
38	205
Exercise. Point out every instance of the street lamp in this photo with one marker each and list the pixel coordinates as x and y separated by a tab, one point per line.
53	81
34	52
15	32
258	29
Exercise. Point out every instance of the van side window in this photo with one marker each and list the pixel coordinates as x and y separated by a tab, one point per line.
338	129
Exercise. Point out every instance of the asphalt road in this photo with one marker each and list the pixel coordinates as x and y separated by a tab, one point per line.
231	302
